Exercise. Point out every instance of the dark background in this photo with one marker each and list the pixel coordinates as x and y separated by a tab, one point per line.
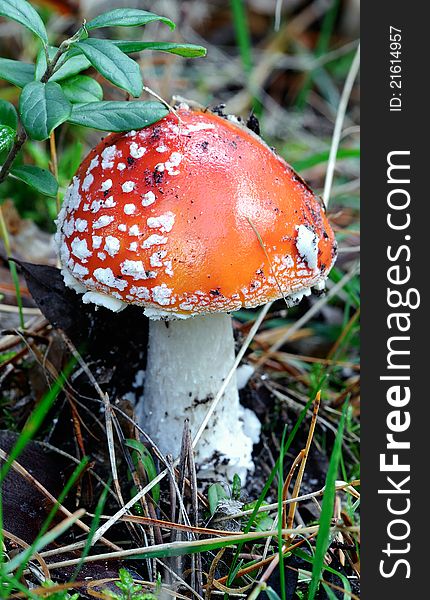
382	132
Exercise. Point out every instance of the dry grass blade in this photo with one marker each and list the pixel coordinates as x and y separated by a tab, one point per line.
34	326
109	418
211	574
18	562
177	548
19	542
344	333
16	466
166	104
71	585
14	309
265	561
290	358
340	485
298	483
287	482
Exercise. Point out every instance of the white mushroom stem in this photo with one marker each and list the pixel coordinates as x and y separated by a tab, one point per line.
187	363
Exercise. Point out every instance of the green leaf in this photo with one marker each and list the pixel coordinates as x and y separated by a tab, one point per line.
236	488
271	594
71	63
7	136
113	64
82	89
42	107
16	72
71	66
216	493
148	465
39	179
262	520
126	17
22	12
186	50
8	115
343	579
117	116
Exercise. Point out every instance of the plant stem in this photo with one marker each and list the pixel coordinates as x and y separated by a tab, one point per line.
54	164
50	69
20	140
61	50
7	165
51	65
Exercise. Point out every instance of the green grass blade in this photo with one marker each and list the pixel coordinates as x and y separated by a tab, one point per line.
342	577
45	540
13	583
322	157
70	483
183	548
327	510
36	419
321	48
280	512
242	33
29	431
93	528
330	594
266	488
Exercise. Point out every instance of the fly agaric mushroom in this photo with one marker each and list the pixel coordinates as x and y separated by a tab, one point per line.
192	218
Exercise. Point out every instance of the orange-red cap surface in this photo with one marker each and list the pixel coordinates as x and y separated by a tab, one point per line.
192	216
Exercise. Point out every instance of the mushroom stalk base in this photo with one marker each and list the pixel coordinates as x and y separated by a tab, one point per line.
188	360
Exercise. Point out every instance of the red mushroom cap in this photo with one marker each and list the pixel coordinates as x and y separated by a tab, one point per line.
192	216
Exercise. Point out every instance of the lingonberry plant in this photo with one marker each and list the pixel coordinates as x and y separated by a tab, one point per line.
55	91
